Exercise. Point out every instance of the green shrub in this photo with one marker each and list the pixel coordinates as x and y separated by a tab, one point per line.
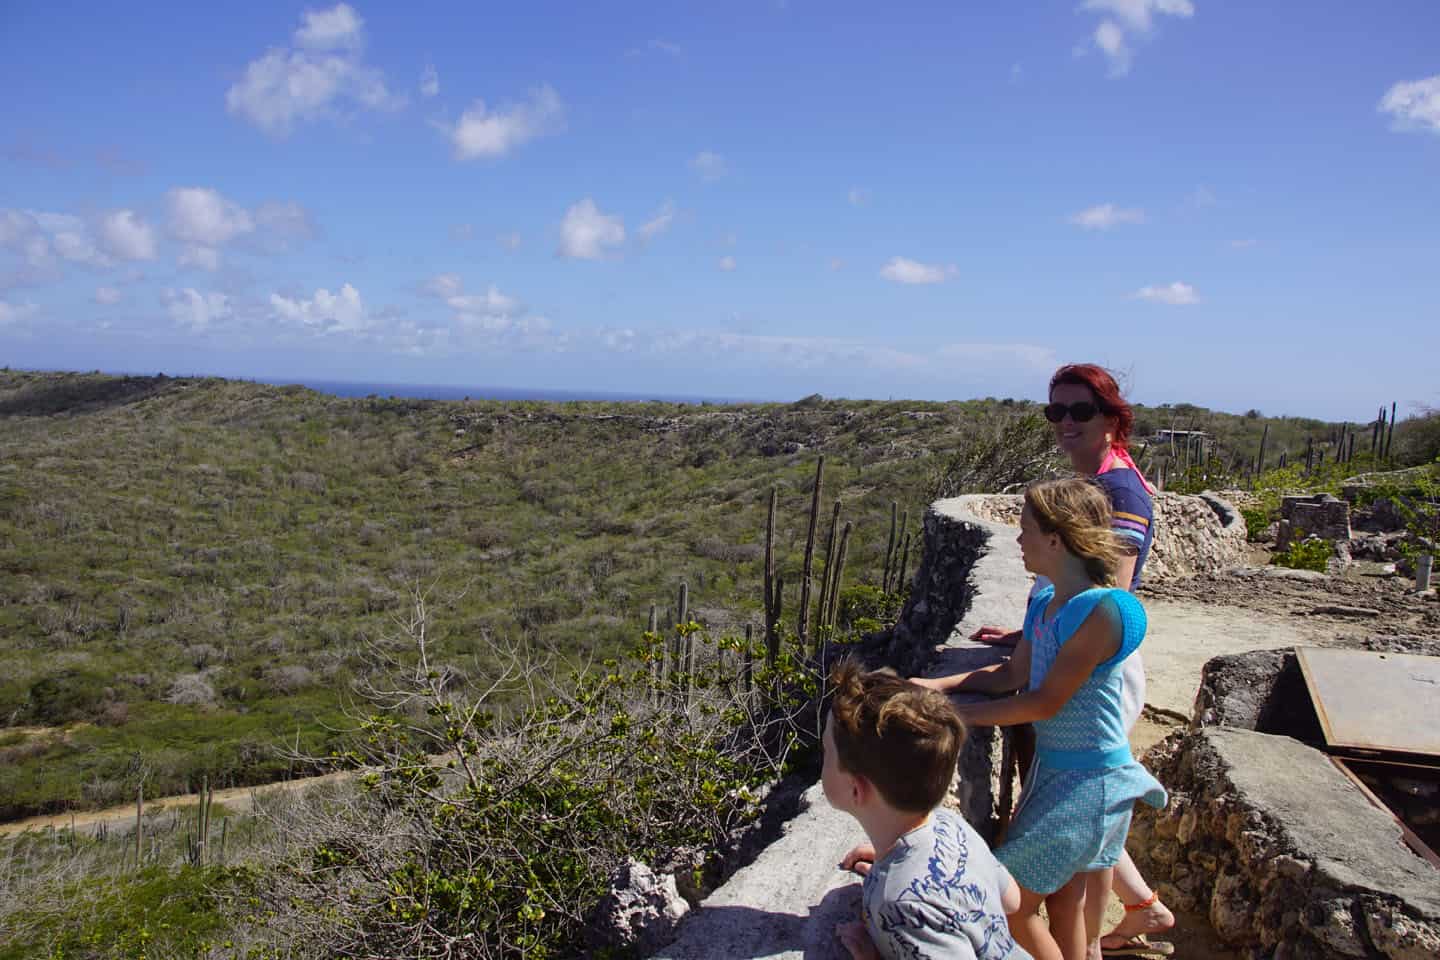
511	843
1311	554
1257	523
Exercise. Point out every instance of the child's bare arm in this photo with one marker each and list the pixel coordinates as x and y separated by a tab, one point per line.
1096	640
996	678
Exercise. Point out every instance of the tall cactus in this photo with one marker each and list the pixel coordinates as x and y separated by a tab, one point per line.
802	622
772	587
825	575
831	614
684	644
889	547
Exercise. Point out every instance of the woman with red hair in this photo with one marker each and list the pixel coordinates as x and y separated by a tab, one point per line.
1092	423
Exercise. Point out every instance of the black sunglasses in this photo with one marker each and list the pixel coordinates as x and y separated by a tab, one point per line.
1082	412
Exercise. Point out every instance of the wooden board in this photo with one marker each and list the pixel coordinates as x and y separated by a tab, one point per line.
1385	702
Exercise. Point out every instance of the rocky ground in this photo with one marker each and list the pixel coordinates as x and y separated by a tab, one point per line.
1359	604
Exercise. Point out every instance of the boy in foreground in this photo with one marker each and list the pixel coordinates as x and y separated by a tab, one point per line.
932	888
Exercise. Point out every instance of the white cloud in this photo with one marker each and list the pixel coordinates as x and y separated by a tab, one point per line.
659	223
709	165
41	237
1138	15
126	236
904	270
12	313
666	46
198	311
491	311
858	197
492	303
1123	19
278	225
340	27
587	234
1111	41
727	263
429	81
206	258
462	232
1022	355
443	285
203	217
482	132
107	296
205	221
1414	105
327	71
836	264
1244	244
1176	294
1105	216
510	241
325	312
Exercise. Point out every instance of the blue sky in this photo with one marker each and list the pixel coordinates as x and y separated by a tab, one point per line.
1235	204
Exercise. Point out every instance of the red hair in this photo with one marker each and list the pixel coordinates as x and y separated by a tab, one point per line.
1107	395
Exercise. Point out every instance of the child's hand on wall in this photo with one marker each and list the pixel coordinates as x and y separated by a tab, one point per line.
859	860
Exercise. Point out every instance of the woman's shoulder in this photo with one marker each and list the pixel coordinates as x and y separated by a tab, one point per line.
1126	491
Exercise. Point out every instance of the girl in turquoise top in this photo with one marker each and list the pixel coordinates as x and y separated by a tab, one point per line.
1076	805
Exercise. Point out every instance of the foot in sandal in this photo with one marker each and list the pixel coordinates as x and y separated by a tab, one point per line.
1136	946
1129	936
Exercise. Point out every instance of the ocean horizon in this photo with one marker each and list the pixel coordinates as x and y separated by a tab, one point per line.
433	391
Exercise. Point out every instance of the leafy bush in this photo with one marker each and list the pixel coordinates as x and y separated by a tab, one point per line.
1257	523
508	843
1309	554
999	454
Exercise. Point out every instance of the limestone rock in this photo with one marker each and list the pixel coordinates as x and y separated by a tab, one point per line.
1400	937
641	911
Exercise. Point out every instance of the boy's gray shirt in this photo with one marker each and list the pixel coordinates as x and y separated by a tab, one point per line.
936	894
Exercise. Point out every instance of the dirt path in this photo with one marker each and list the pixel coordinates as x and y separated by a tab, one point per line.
236	800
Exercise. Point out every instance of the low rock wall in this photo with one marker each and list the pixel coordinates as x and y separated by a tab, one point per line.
1285	855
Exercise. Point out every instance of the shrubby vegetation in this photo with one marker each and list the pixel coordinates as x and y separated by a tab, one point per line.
192	569
197	572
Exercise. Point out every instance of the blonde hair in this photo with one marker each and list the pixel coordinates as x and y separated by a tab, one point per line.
902	737
1079	513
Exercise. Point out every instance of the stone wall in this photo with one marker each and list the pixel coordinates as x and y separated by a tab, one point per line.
941	589
1193	534
1320	515
1285	855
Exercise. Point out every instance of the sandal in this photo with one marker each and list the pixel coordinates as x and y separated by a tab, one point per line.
1140	946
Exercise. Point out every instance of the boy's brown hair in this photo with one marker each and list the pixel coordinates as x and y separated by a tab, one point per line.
901	737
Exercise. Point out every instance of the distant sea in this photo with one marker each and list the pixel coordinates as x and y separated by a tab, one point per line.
430	391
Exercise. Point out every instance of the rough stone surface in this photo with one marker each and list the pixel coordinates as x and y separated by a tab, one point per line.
1303	864
943	586
1257	690
641	911
786	903
1320	515
1192	534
